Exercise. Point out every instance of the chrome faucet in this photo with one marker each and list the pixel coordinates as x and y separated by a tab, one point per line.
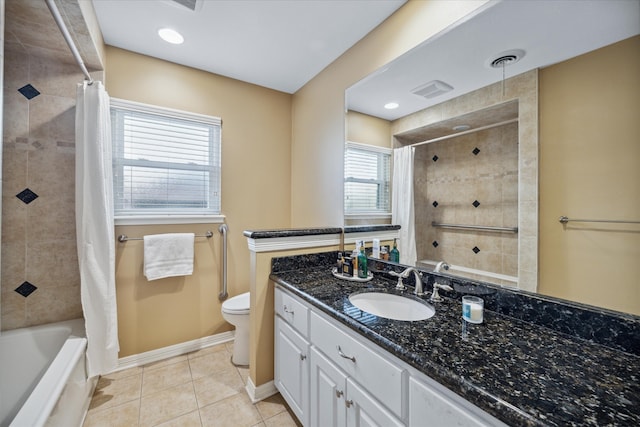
441	266
417	276
435	296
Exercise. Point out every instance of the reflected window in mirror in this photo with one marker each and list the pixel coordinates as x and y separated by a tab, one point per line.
367	172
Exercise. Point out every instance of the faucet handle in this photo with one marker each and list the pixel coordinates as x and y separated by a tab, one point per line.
435	296
400	286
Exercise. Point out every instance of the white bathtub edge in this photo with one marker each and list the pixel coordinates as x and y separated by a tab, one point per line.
40	404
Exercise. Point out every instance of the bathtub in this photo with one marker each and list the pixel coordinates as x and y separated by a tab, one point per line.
43	376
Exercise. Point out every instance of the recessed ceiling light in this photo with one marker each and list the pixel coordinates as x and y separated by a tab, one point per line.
170	36
391	105
461	128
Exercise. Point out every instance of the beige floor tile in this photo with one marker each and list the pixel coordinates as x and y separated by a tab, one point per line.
213	388
125	415
111	392
271	406
167	404
235	411
209	350
192	419
210	364
167	376
283	419
165	362
244	374
136	370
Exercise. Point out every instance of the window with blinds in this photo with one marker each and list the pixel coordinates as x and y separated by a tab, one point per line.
367	179
165	162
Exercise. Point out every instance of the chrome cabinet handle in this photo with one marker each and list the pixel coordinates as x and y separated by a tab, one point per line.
302	356
339	393
344	356
348	403
286	310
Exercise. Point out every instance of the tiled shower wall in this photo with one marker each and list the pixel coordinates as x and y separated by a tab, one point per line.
40	278
470	180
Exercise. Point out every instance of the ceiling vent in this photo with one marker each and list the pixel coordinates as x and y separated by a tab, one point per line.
189	4
432	89
505	59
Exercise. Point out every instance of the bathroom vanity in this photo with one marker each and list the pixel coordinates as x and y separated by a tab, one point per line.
524	365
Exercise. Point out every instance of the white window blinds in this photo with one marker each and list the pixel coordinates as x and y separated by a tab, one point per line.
165	162
367	179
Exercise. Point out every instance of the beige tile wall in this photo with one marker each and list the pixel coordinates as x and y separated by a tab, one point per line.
38	239
455	180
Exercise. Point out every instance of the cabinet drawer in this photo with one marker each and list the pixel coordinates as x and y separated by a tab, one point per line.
292	311
379	376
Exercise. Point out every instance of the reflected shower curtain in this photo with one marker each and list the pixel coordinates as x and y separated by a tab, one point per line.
402	210
95	227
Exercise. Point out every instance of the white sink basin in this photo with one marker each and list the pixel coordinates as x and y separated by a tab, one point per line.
391	306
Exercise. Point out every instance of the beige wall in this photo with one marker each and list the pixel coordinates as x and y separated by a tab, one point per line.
256	161
318	108
368	130
590	168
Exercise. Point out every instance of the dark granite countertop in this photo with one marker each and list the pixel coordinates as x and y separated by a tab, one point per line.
295	232
520	372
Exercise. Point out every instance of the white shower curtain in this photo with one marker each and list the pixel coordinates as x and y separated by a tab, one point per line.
94	226
402	203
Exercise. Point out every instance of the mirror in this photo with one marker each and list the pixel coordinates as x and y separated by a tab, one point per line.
474	127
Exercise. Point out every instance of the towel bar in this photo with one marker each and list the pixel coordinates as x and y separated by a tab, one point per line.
564	220
477	227
124	237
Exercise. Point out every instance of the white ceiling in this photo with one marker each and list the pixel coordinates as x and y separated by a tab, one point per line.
549	31
279	44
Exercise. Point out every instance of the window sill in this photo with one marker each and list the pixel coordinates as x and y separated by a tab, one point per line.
170	219
368	216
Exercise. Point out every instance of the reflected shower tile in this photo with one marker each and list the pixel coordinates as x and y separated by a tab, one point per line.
52	117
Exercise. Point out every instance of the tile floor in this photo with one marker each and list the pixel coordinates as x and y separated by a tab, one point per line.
199	389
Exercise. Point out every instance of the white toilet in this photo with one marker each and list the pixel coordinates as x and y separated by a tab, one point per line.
236	311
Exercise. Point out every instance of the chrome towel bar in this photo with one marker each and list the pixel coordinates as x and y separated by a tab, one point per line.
123	237
564	220
477	227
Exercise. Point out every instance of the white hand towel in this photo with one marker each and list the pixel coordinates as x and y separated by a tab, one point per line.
168	255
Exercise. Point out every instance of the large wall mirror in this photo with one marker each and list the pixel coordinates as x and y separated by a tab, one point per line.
469	102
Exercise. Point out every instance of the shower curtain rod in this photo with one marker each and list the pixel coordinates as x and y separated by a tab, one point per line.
455	135
67	37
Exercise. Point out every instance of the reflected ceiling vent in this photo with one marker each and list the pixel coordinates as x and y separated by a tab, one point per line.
505	59
192	5
432	89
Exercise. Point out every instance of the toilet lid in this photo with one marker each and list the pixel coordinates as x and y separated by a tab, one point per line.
237	304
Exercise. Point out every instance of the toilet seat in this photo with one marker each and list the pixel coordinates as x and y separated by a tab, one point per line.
237	305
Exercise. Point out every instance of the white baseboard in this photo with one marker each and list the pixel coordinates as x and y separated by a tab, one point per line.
173	350
261	392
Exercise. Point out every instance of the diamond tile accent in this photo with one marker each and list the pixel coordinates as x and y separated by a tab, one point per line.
475	203
476	249
434	158
435	244
27	196
476	151
29	91
435	204
26	289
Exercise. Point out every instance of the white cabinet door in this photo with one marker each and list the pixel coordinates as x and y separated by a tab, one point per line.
327	392
429	405
364	411
292	369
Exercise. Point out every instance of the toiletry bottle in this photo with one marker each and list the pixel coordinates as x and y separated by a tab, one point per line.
394	255
354	261
362	264
384	254
339	263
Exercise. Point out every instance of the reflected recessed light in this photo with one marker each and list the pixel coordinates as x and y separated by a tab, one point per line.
391	105
170	36
461	128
